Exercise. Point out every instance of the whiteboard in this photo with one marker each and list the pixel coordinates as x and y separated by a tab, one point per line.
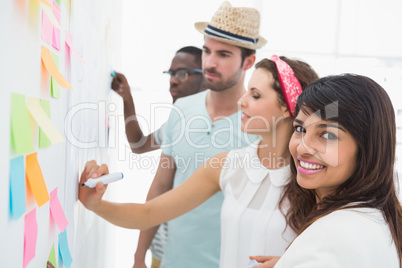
79	115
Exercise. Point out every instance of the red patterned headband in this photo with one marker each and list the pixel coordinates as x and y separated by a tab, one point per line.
291	87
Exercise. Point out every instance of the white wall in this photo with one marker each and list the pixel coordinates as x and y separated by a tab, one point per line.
334	36
22	72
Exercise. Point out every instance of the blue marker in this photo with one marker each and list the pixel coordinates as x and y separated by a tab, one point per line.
113	74
108	178
253	263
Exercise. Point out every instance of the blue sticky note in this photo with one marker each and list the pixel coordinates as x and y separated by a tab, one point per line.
17	187
64	251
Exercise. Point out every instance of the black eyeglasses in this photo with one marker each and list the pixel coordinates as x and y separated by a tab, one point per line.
182	74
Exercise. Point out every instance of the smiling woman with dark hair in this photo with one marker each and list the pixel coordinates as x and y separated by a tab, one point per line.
344	195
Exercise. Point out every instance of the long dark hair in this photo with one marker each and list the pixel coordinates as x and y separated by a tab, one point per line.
364	109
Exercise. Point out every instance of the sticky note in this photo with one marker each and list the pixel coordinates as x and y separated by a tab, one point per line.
52	257
54	87
52	68
21	133
69	42
48	4
30	236
35	179
64	250
48	10
57	1
17	187
47	29
56	32
35	109
43	139
57	211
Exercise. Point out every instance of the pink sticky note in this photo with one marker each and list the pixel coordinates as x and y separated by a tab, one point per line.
56	32
69	42
56	38
47	29
56	11
57	211
30	235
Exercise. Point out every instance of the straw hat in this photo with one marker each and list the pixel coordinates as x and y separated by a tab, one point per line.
236	26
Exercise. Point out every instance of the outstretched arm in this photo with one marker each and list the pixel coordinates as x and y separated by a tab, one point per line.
198	188
138	142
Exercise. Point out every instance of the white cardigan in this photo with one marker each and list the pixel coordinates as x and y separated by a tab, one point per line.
345	238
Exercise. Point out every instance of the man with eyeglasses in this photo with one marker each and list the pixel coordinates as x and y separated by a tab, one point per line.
185	79
211	122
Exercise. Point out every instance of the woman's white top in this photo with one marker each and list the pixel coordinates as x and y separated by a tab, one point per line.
251	222
347	238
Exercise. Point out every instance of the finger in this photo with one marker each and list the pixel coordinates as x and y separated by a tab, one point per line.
261	258
90	163
100	188
103	169
93	170
84	174
49	265
116	83
268	264
100	170
121	77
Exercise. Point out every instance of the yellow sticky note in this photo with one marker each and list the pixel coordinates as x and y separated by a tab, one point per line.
51	67
43	120
43	139
35	179
46	3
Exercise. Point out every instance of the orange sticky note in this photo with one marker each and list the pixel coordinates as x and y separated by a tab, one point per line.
52	68
35	179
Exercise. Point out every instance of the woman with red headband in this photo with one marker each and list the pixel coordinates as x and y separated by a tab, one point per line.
252	179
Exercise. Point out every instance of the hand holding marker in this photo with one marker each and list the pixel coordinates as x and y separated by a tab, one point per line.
105	179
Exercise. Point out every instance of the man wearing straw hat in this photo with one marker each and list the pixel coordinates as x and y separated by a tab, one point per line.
203	125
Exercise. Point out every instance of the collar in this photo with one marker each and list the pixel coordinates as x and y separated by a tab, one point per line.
256	172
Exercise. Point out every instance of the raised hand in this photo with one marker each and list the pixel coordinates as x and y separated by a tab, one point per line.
120	86
91	197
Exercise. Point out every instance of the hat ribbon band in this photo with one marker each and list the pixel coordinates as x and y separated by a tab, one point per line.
224	34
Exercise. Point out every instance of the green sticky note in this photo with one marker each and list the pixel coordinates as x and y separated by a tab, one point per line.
52	257
58	2
54	86
21	133
43	139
